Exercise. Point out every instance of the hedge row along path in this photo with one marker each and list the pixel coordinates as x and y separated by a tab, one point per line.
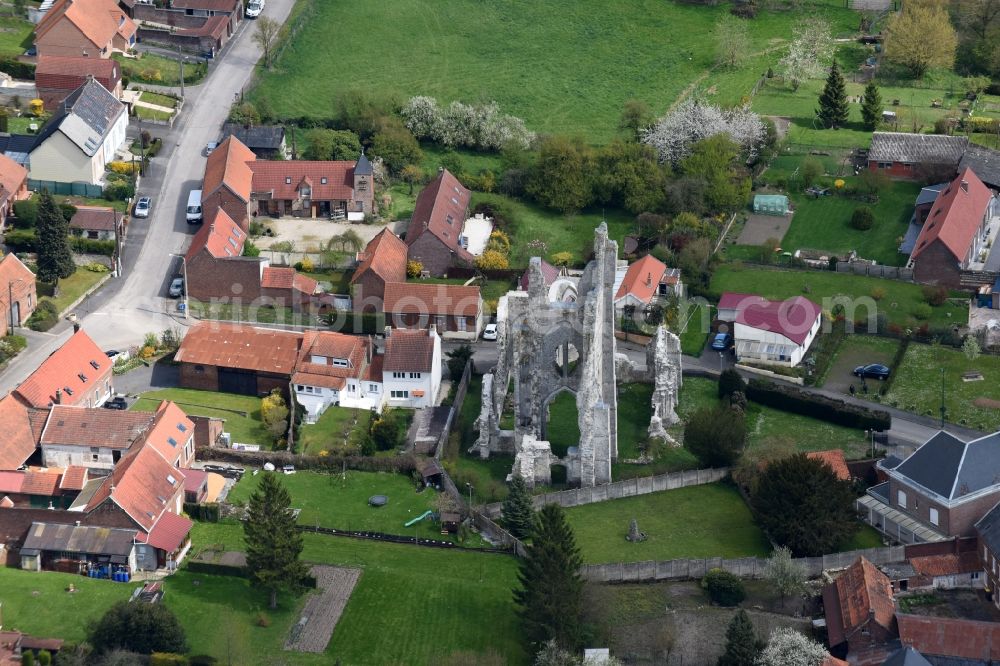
321	613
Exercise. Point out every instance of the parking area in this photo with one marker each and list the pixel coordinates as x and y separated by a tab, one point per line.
858	350
309	235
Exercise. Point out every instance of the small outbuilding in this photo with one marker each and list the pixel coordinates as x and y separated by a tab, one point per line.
450	522
431	473
770	204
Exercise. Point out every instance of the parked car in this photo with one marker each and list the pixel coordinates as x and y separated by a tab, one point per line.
873	370
210	147
722	341
490	332
254	8
31	52
142	207
288	469
117	402
176	287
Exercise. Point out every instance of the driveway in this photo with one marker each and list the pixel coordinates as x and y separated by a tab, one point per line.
308	234
127	308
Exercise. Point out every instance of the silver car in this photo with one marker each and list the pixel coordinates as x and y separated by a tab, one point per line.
176	288
142	207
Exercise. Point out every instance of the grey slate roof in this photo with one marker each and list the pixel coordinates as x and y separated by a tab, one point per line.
92	104
79	539
363	167
257	137
988	528
917	148
906	657
929	194
952	468
984	161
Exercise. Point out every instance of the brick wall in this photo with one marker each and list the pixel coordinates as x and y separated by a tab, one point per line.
210	278
235	207
204	377
936	265
432	253
368	293
953	521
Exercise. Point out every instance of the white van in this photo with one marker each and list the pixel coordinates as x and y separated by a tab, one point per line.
194	207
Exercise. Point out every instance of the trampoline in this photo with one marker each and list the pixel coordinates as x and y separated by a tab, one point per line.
378	500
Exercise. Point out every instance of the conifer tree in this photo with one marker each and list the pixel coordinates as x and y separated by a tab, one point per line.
55	259
550	597
518	511
871	106
742	643
272	540
833	109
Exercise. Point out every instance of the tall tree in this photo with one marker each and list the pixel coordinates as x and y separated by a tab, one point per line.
732	42
143	628
809	52
563	177
328	144
787	647
55	258
871	106
717	160
273	542
266	37
802	504
786	575
742	643
979	16
636	116
921	37
550	596
715	436
518	511
833	109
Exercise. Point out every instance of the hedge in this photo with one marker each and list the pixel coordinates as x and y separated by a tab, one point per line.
206	512
333	463
817	406
21	240
92	246
18	69
44	317
215	569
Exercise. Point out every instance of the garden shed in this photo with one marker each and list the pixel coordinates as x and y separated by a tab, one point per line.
770	204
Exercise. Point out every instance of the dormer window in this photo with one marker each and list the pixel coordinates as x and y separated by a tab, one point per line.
95	365
170	479
305	192
83	377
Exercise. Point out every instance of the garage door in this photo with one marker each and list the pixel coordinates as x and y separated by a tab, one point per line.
237	381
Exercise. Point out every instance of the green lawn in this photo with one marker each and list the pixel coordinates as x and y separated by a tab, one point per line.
698	326
562	66
699	521
899	302
866	537
338	428
339	281
16	36
157	98
73	287
825	224
917	386
264	314
248	428
158	70
563	429
151	114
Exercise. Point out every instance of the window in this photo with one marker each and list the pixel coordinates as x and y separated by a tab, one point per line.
934	516
373	388
975	575
340	362
93	457
362	185
901	498
92	235
350	388
199	369
461	324
399	375
322	181
414	375
300	388
399	394
288	180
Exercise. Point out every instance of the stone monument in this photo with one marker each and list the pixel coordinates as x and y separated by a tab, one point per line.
663	363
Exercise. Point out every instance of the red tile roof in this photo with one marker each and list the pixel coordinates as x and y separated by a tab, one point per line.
441	209
11	482
356	350
329	180
385	255
642	279
74	478
15	276
18	442
220	235
946	565
214	26
409	351
835	459
373	373
6	503
69	425
227	166
141	485
431	299
98	20
13	177
95	218
67	73
861	590
792	318
79	355
287	278
549	272
240	346
947	637
169	432
169	532
193	479
956	215
41	483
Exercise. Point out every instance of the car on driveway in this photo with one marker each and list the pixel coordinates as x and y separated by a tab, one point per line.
176	287
142	207
210	147
490	332
872	371
722	341
117	402
254	8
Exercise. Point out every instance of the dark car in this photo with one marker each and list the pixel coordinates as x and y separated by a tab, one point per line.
722	341
117	402
873	371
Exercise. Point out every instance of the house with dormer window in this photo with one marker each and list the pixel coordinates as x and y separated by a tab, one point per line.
78	373
335	189
337	369
434	235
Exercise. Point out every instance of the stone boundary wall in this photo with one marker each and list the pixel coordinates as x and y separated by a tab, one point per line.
620	489
456	408
746	567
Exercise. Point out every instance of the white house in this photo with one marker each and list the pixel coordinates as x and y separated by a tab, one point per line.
337	369
86	130
644	281
411	370
775	332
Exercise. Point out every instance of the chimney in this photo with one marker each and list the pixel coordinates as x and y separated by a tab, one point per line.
965	185
76	327
649	279
58	396
388	330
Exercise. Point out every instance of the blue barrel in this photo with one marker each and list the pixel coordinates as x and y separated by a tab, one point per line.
128	576
117	577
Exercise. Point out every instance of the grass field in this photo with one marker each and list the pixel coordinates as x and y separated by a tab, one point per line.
241	412
155	69
337	428
152	114
699	521
16	35
917	386
563	429
562	66
695	334
899	302
158	99
73	287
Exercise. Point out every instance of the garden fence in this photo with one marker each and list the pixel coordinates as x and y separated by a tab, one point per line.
456	409
75	189
620	489
876	270
745	567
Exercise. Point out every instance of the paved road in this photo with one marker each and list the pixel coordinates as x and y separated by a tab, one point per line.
129	307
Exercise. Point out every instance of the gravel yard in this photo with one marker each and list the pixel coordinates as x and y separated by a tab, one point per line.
323	609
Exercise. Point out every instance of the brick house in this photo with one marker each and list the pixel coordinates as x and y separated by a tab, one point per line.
84	28
13	186
78	373
21	427
941	490
58	76
860	611
34	487
200	25
317	189
91	438
228	182
916	156
382	261
17	293
988	550
953	237
281	284
455	311
97	223
434	234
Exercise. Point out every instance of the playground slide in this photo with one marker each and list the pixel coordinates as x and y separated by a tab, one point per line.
425	514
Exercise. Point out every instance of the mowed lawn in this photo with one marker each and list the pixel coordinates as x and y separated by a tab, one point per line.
72	288
917	386
337	428
241	412
710	520
564	66
412	605
899	302
16	35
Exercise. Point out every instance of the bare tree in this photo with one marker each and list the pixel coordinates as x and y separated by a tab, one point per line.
732	42
979	16
266	37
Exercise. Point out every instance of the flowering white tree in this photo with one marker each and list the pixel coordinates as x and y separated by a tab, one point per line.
809	54
675	133
787	647
422	116
480	126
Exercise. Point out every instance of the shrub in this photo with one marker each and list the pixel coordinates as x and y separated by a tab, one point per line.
126	168
878	293
26	213
562	258
934	295
791	399
724	588
21	240
307	265
44	317
92	246
119	191
730	382
492	260
413	268
863	218
148	352
143	628
262	620
17	69
167	659
923	311
96	267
